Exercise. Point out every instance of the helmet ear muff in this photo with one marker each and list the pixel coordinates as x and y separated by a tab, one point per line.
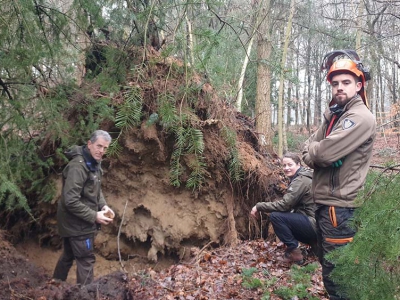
365	71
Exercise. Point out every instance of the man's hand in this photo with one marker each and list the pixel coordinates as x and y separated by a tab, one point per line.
101	218
254	212
108	212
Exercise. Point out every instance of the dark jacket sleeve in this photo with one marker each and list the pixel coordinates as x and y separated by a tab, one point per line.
102	201
293	196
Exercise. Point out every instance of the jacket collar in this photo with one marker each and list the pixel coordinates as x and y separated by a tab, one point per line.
334	109
91	163
296	174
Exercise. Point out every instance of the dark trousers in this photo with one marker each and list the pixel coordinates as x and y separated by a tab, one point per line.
333	231
291	228
79	249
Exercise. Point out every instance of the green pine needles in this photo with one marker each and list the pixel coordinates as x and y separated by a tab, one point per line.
369	267
128	115
10	194
189	143
234	164
14	174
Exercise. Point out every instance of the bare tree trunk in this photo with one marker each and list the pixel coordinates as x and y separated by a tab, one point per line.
289	104
297	93
284	135
282	79
359	24
189	41
263	95
242	73
308	88
318	92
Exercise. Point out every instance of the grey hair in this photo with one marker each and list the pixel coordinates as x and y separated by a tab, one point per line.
100	133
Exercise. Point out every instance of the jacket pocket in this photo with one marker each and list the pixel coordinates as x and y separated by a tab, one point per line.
82	246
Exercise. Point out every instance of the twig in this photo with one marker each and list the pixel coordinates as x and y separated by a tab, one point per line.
395	120
394	168
374	185
201	250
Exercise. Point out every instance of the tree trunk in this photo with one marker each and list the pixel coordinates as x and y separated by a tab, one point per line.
282	79
263	95
308	87
242	73
189	41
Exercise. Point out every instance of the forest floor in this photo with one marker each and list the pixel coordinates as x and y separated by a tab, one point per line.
250	270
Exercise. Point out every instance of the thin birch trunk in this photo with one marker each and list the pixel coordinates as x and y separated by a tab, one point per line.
282	78
242	73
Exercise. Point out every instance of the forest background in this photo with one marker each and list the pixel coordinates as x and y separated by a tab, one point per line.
63	74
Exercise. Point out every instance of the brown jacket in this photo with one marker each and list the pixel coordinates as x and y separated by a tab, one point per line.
297	198
350	140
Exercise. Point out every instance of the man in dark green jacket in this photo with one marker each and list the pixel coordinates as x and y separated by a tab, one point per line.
82	207
293	217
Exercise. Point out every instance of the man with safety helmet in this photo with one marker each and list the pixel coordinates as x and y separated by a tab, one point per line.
340	152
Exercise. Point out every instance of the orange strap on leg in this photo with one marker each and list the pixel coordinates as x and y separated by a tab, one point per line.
332	215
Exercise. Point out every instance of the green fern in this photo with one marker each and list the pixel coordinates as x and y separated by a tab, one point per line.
196	147
129	114
176	165
188	141
234	164
115	148
196	177
195	141
167	111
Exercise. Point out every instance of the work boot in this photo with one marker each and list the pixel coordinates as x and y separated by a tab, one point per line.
294	256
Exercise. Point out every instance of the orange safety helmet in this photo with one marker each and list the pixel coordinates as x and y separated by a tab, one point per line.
351	65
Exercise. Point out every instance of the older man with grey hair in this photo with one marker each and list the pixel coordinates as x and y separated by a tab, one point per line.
82	207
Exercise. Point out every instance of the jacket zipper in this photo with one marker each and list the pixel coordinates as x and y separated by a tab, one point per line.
333	181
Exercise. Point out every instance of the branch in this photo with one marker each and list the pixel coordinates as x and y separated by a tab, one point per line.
392	60
393	168
395	120
118	236
226	23
5	89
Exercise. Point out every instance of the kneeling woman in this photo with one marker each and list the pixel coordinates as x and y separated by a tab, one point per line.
293	217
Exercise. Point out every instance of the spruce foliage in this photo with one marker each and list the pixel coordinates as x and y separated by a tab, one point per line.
128	115
369	268
234	165
189	143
